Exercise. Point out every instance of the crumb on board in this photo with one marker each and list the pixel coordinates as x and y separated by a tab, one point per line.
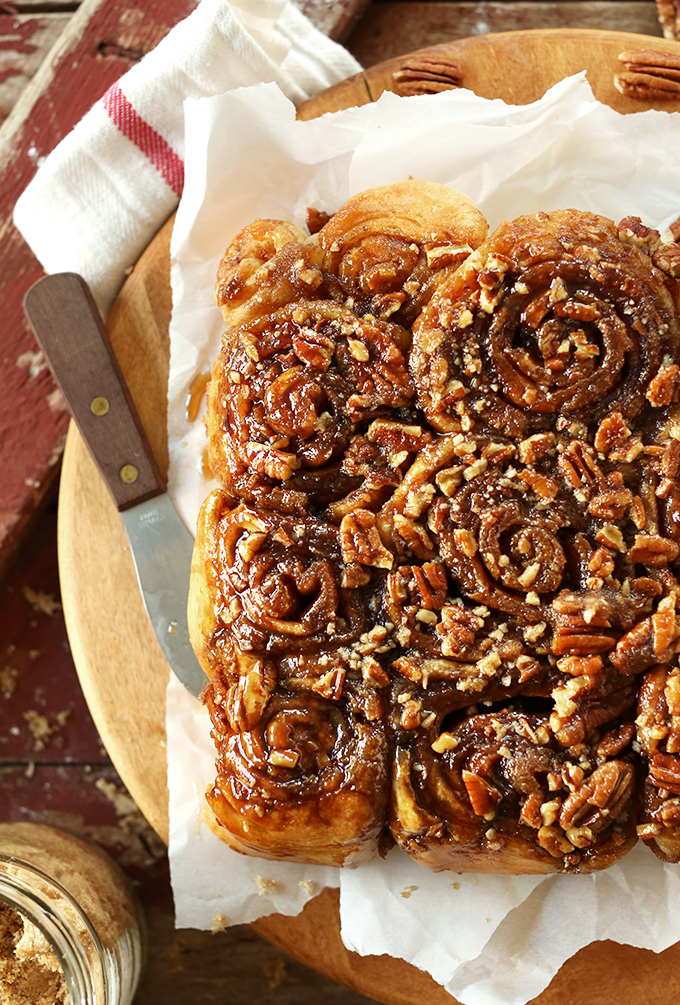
275	972
123	803
40	601
42	729
8	681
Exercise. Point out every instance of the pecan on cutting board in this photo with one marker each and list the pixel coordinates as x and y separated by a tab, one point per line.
426	75
650	75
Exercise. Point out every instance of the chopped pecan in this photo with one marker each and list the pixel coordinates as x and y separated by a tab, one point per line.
664	772
530	810
410	714
398	437
544	487
245	702
466	542
671	459
601	563
631	230
354	575
616	740
650	641
360	541
577	666
498	453
579	467
426	75
583	704
652	549
330	684
668	813
554	841
424	586
600	799
611	537
663	387
667	258
449	479
483	796
535	447
457	628
414	536
579	624
610	433
611	505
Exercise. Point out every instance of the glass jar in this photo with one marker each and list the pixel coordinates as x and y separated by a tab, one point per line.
72	929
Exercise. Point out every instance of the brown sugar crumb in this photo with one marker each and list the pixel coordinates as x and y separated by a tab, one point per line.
40	601
42	729
220	923
265	886
29	970
8	681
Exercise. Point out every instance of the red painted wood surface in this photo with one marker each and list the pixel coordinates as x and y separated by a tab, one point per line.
106	38
24	41
33	419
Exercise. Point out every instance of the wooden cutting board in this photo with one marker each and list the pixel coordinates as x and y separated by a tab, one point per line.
121	667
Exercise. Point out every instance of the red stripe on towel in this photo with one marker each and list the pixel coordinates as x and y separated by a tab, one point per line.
144	136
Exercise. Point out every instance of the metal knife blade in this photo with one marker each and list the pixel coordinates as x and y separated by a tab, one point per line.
69	329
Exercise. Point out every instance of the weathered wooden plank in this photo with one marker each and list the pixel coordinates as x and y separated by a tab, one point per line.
43	714
25	40
389	30
98	45
44	6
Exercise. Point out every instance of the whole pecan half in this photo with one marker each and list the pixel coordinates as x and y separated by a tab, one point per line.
426	75
669	17
650	75
600	798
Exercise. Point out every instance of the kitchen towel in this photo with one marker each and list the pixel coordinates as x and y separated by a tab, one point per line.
100	196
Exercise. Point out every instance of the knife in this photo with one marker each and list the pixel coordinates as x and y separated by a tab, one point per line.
69	329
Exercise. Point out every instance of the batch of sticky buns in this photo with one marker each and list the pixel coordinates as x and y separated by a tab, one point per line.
435	591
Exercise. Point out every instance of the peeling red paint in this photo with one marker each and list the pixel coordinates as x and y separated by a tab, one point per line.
31	430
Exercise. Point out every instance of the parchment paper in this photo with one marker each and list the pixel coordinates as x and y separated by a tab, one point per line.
490	940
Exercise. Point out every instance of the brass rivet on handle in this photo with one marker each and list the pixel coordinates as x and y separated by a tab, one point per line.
99	406
128	473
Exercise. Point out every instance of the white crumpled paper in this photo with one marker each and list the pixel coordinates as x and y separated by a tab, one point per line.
490	940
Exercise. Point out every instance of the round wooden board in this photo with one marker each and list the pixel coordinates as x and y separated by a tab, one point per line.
122	670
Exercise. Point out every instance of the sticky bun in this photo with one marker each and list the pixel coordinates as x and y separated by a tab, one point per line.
435	591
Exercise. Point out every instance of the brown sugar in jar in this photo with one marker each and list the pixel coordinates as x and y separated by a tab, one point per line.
71	930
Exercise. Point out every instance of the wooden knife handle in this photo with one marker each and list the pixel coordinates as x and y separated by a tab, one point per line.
71	334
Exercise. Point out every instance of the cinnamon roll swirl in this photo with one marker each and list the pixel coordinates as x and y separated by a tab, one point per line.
289	389
436	592
555	314
387	249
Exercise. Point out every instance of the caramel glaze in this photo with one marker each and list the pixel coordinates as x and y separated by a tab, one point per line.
436	591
